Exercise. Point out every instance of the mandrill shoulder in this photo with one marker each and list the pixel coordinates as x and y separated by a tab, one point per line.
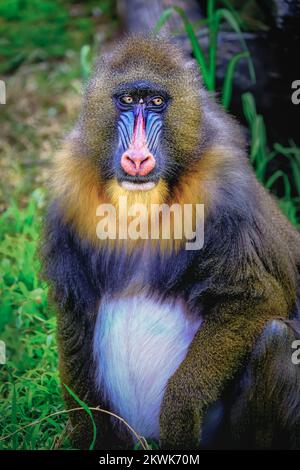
239	210
223	137
286	231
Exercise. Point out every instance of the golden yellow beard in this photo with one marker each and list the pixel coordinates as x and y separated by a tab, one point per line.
156	219
117	196
80	190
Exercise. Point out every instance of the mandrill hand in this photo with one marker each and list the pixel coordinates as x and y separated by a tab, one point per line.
180	424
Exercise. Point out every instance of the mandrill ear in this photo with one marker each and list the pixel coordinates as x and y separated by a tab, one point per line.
193	70
76	142
75	134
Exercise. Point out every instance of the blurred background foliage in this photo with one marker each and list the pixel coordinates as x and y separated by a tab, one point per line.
46	51
35	30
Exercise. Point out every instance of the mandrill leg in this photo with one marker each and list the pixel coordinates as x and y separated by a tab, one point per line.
76	371
216	355
266	414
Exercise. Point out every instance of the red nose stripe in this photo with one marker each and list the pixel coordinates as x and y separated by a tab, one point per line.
139	138
137	159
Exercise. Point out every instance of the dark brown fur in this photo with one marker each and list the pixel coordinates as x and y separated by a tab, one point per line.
252	269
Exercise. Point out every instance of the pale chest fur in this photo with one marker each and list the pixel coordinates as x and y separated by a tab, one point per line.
139	342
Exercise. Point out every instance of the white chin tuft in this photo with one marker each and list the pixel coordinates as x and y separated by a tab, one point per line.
138	186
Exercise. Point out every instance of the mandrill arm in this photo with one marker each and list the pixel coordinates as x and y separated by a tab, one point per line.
215	356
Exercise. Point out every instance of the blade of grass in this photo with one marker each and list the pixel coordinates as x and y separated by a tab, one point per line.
293	154
14	415
213	43
289	207
164	17
197	50
261	140
139	438
262	166
228	80
296	175
232	21
85	61
13	409
256	123
249	107
86	408
280	174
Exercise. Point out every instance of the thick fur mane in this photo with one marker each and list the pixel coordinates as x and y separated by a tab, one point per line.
202	139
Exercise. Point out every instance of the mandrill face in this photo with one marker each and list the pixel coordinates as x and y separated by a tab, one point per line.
139	162
140	125
147	134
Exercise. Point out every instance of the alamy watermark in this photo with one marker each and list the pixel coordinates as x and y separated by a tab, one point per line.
296	354
296	94
154	222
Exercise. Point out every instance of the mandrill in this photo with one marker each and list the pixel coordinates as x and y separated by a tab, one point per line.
191	347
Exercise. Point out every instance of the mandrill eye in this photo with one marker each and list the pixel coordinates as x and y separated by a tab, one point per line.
158	101
127	99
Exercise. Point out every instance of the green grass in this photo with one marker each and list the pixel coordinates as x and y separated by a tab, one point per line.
31	408
29	385
44	30
263	159
32	124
